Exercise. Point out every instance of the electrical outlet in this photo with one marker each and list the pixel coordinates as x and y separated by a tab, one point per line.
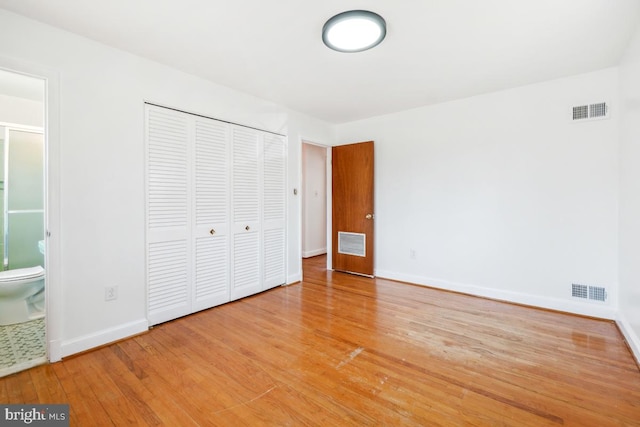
412	253
110	293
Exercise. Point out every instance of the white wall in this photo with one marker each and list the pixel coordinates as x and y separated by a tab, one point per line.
501	195
300	127
101	193
629	316
21	111
314	196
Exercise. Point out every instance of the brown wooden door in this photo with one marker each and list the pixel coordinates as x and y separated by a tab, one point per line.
353	217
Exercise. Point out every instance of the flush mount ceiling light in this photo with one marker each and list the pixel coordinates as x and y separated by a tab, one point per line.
354	31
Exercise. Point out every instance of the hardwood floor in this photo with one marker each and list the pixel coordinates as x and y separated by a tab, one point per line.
338	350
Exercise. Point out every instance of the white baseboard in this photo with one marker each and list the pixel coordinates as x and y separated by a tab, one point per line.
598	310
55	352
103	337
315	252
294	278
629	335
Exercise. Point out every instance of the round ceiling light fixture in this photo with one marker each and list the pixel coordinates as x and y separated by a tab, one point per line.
354	31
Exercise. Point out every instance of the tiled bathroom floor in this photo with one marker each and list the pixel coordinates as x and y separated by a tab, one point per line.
22	346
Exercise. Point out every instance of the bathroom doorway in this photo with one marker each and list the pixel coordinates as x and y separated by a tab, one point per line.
23	341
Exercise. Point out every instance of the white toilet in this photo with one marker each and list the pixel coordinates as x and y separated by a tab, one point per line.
21	295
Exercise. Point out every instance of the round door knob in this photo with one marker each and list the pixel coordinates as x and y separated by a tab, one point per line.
369	216
247	228
212	231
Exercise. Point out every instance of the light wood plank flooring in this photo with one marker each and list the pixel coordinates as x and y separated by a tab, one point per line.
341	350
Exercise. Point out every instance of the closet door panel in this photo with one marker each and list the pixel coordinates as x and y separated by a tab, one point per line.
274	262
246	270
168	232
211	213
211	272
168	280
246	190
211	174
167	171
215	212
274	212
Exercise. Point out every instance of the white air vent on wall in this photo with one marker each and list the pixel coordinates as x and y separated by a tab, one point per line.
595	293
596	111
579	291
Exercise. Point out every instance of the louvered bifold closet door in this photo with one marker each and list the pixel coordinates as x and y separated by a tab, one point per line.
167	214
211	211
245	271
274	211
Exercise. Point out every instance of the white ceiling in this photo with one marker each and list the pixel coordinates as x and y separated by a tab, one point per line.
435	50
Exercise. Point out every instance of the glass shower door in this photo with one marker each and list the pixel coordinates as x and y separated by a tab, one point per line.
23	198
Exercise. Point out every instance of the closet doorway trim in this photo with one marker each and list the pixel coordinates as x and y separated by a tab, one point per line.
213	118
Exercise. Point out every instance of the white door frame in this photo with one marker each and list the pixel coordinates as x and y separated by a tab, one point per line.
53	287
329	195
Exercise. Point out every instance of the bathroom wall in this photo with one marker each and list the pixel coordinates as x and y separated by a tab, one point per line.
21	111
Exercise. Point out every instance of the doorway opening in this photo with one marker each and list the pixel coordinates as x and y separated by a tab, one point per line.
23	287
314	200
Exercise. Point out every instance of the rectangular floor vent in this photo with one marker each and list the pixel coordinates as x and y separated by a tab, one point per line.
352	243
594	293
599	110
